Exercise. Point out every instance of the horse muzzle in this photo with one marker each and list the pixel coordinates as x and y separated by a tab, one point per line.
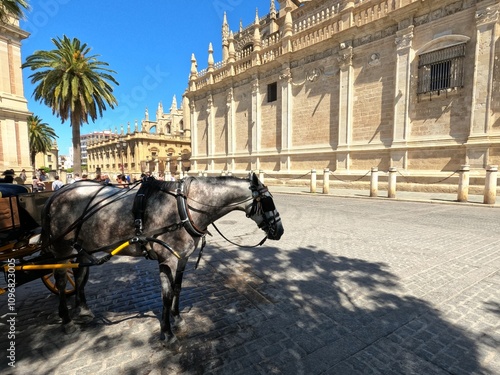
272	225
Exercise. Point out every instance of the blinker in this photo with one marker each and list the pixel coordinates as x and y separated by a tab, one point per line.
268	204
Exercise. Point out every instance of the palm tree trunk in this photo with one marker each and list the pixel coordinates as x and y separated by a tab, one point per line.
77	152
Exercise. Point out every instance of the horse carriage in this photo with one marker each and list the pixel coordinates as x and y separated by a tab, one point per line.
20	227
50	234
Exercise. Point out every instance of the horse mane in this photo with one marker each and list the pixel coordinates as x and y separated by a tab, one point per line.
151	185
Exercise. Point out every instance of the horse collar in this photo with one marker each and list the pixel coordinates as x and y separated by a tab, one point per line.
186	220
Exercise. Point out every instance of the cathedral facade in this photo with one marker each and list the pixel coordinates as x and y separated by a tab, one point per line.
161	147
350	85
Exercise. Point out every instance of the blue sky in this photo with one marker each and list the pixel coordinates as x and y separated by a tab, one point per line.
148	43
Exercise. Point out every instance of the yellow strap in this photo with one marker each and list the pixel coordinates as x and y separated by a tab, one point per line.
120	248
59	265
42	266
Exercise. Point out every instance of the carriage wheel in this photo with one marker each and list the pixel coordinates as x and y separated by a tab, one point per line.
50	283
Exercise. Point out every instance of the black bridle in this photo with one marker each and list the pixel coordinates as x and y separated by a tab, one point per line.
263	205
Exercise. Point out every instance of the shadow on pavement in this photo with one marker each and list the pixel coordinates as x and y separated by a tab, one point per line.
302	311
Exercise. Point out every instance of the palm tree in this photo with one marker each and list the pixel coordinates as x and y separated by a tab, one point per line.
73	84
41	136
13	8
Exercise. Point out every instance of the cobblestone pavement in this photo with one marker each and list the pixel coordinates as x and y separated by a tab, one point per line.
355	286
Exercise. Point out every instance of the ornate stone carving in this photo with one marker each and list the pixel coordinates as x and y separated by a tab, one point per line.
488	15
229	97
374	59
404	38
345	56
314	74
286	75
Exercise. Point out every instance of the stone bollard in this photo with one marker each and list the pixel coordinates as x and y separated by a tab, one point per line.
313	181
229	173
374	182
391	188
463	184
326	181
205	173
490	185
200	174
261	176
222	173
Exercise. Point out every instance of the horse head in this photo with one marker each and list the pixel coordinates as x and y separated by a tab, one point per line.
262	209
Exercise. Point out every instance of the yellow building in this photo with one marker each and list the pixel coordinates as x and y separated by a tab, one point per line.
161	146
14	144
49	160
349	85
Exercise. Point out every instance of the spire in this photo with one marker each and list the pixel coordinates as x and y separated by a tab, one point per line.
193	74
225	29
210	57
146	114
225	36
256	32
159	111
128	127
288	22
173	107
194	71
232	51
241	25
272	10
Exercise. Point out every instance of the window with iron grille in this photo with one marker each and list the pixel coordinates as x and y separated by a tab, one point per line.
441	70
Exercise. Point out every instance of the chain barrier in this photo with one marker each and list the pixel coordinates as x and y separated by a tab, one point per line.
286	179
429	183
357	179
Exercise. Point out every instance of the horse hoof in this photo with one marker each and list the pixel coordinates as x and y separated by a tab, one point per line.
171	344
69	328
179	322
83	316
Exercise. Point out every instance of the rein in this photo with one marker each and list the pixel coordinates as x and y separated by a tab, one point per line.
234	243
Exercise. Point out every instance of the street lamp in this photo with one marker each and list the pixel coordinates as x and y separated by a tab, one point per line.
121	147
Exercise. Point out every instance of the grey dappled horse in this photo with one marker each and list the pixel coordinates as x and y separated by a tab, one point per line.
166	221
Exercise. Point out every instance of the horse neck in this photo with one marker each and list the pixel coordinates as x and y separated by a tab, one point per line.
218	196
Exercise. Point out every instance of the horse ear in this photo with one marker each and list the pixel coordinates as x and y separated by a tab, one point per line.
255	179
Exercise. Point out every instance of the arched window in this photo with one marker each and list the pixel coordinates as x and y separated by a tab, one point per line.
168	128
441	64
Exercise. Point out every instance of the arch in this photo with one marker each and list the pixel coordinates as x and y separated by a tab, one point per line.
152	129
443	42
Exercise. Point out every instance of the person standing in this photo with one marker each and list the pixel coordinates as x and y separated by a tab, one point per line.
43	175
23	176
57	184
37	184
9	176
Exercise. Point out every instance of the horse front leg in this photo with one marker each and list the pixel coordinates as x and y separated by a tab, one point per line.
178	321
167	291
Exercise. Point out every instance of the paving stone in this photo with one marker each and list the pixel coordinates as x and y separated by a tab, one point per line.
355	286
